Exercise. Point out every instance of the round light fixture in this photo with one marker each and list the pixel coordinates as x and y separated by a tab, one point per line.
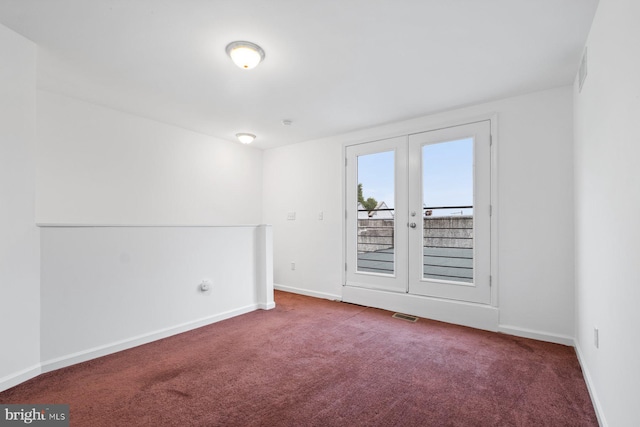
245	138
245	55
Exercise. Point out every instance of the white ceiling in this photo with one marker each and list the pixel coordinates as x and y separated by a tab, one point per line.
331	66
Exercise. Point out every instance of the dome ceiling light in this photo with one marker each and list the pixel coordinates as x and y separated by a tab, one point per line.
245	55
245	138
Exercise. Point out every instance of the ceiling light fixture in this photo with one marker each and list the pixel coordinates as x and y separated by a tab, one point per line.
245	55
245	138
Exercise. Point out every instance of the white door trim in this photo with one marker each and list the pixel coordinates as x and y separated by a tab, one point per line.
407	128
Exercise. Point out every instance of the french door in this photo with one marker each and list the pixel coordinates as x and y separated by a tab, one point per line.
418	213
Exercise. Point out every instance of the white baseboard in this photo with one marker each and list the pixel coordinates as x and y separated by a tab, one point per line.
103	350
307	292
267	306
590	387
16	378
536	335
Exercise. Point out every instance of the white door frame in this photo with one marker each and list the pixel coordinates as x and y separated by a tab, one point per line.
484	316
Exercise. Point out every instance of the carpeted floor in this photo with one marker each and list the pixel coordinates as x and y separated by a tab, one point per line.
313	362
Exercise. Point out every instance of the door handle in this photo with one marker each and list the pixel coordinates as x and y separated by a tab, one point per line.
412	225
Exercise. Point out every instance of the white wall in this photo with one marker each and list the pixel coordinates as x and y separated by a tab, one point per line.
535	210
607	208
101	166
306	179
109	288
19	239
102	289
535	170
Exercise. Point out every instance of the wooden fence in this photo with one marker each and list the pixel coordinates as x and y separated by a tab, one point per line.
439	232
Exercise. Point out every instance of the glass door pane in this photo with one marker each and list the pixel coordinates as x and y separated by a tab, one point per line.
376	222
447	200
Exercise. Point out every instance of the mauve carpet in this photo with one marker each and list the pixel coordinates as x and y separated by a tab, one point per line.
313	362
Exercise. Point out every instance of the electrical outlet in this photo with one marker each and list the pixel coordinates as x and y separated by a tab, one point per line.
320	216
205	286
291	216
596	337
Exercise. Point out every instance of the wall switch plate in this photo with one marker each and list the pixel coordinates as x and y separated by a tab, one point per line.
293	265
291	216
320	216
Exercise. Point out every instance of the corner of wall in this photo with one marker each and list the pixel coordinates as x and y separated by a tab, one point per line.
20	244
597	406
